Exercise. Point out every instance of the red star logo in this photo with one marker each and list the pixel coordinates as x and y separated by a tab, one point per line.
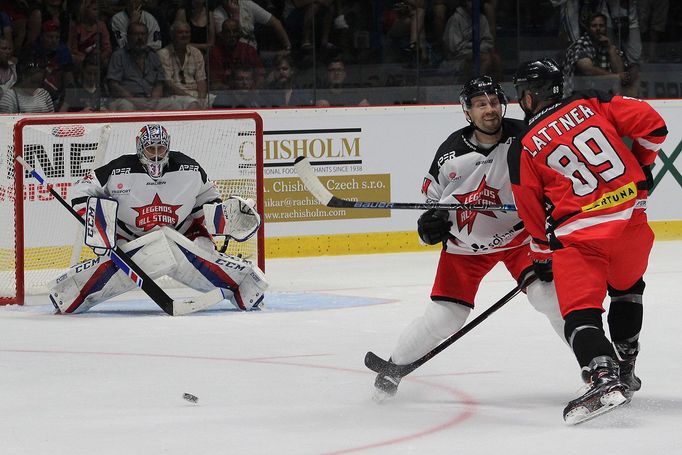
481	195
156	214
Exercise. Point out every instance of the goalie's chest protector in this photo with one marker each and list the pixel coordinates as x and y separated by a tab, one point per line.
146	204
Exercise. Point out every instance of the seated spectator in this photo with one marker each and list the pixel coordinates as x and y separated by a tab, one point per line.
89	35
8	68
6	28
243	93
183	65
248	14
18	12
53	54
27	95
309	15
135	75
623	27
441	11
134	13
200	20
282	88
414	11
653	17
458	39
595	56
164	13
86	95
230	53
337	93
49	10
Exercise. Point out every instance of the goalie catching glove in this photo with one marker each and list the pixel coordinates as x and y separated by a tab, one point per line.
100	225
236	218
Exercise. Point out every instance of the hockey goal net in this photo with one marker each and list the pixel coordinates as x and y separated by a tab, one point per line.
39	239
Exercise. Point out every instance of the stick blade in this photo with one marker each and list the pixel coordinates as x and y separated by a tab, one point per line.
307	175
198	303
376	363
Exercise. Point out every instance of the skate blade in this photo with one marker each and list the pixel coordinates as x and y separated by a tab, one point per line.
609	402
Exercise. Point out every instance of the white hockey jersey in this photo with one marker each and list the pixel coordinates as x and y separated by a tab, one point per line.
463	173
144	204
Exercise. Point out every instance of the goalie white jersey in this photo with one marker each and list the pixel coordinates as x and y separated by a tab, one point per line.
464	173
175	199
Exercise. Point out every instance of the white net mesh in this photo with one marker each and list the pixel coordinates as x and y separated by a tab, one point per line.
224	147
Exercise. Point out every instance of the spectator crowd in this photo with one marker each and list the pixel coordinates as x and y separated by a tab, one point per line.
90	55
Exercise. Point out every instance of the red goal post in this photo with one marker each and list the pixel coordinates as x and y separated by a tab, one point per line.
39	240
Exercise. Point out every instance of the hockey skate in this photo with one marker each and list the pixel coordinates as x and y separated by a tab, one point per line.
385	387
627	355
606	392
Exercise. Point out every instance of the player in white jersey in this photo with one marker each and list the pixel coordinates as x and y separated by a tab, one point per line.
160	207
471	167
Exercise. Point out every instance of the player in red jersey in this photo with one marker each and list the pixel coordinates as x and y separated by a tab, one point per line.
581	193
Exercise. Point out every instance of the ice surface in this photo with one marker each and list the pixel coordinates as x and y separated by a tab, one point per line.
290	379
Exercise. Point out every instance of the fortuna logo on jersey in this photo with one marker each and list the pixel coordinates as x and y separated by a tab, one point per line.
481	195
156	214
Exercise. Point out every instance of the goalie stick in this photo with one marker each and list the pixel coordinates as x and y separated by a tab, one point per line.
136	274
305	172
100	153
379	365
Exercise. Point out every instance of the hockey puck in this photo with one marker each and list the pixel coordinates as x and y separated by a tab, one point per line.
191	398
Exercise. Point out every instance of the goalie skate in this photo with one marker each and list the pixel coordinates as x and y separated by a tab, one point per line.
606	392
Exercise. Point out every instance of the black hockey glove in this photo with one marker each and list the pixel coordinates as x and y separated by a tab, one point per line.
543	269
433	226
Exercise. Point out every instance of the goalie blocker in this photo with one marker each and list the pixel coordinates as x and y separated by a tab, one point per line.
163	252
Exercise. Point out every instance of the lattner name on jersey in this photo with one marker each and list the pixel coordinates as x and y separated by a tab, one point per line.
558	127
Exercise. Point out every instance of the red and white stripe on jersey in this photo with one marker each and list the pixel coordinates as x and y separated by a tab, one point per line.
572	159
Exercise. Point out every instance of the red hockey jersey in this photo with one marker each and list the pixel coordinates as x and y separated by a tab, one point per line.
572	175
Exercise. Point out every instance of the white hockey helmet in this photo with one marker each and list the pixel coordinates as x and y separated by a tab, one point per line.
156	159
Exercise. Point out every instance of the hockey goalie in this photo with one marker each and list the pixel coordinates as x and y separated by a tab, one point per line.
160	208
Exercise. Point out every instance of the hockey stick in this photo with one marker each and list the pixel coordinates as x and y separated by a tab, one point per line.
305	172
130	268
379	365
100	153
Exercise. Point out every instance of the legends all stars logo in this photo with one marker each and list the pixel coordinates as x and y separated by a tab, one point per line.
156	214
481	195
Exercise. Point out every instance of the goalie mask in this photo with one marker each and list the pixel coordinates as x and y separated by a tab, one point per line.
153	143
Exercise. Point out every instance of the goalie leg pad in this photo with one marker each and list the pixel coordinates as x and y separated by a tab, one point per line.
205	270
91	282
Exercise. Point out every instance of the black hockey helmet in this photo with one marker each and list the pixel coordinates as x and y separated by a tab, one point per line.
480	86
542	78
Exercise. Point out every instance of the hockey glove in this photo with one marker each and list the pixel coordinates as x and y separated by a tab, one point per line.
100	225
434	226
543	269
236	218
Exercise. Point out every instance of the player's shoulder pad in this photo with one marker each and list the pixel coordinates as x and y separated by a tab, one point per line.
179	162
513	128
124	164
458	143
514	161
602	97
